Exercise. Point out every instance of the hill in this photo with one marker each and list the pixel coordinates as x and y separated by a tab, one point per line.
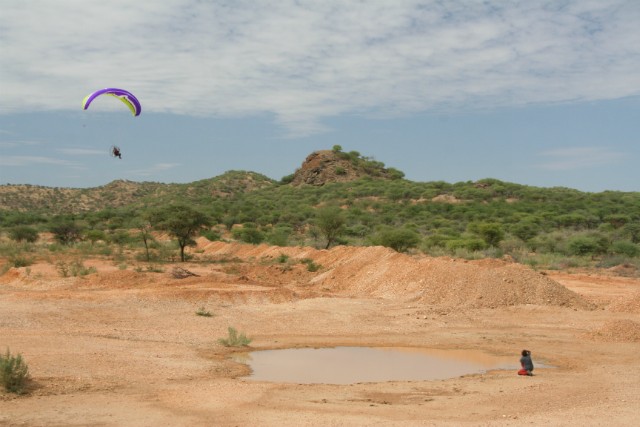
372	205
319	168
122	193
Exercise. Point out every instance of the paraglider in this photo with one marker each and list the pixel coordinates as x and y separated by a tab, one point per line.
115	151
126	97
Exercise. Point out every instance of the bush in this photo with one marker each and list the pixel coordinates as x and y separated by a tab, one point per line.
95	235
491	233
234	339
625	247
14	372
76	268
279	237
399	240
212	235
311	266
66	232
469	244
525	230
585	245
20	261
23	233
204	313
249	234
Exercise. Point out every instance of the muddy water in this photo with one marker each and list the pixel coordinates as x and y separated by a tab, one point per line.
348	365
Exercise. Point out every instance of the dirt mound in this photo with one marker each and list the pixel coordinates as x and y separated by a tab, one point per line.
617	331
381	272
10	275
627	304
491	285
118	279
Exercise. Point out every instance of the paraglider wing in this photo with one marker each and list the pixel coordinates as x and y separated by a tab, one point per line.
126	97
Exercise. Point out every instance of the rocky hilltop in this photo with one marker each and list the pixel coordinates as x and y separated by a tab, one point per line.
326	166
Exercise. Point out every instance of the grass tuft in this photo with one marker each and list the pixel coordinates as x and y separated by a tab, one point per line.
234	339
14	372
204	313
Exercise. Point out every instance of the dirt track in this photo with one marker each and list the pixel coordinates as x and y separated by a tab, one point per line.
125	348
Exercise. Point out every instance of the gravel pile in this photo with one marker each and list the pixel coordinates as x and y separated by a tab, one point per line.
617	331
381	272
627	304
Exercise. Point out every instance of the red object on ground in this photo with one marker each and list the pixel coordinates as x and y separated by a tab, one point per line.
523	372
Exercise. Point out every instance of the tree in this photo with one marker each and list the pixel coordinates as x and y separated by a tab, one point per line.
491	233
23	233
588	244
525	230
66	231
94	235
400	239
182	222
249	234
330	221
144	232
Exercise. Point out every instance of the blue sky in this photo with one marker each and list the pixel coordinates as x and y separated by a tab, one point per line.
537	93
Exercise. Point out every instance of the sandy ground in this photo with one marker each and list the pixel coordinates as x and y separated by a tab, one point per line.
125	348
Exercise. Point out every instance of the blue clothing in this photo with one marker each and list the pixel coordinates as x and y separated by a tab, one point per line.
527	363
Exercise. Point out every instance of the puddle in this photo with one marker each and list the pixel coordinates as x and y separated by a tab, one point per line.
348	365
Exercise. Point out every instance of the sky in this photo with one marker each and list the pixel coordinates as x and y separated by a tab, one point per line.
539	93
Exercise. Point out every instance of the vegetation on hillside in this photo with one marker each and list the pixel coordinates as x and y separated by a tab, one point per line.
549	227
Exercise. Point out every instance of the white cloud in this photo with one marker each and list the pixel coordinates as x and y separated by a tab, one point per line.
82	151
32	160
579	158
13	144
303	61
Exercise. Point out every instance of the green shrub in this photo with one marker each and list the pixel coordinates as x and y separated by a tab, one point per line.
584	245
95	235
278	237
525	230
14	372
469	244
491	233
204	313
625	247
311	266
20	261
249	234
23	233
613	261
75	268
212	235
234	339
66	232
399	240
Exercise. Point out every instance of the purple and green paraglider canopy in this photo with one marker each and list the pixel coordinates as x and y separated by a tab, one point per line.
126	97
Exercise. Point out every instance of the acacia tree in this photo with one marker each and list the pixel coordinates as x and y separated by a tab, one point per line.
144	228
400	240
330	221
66	231
182	222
